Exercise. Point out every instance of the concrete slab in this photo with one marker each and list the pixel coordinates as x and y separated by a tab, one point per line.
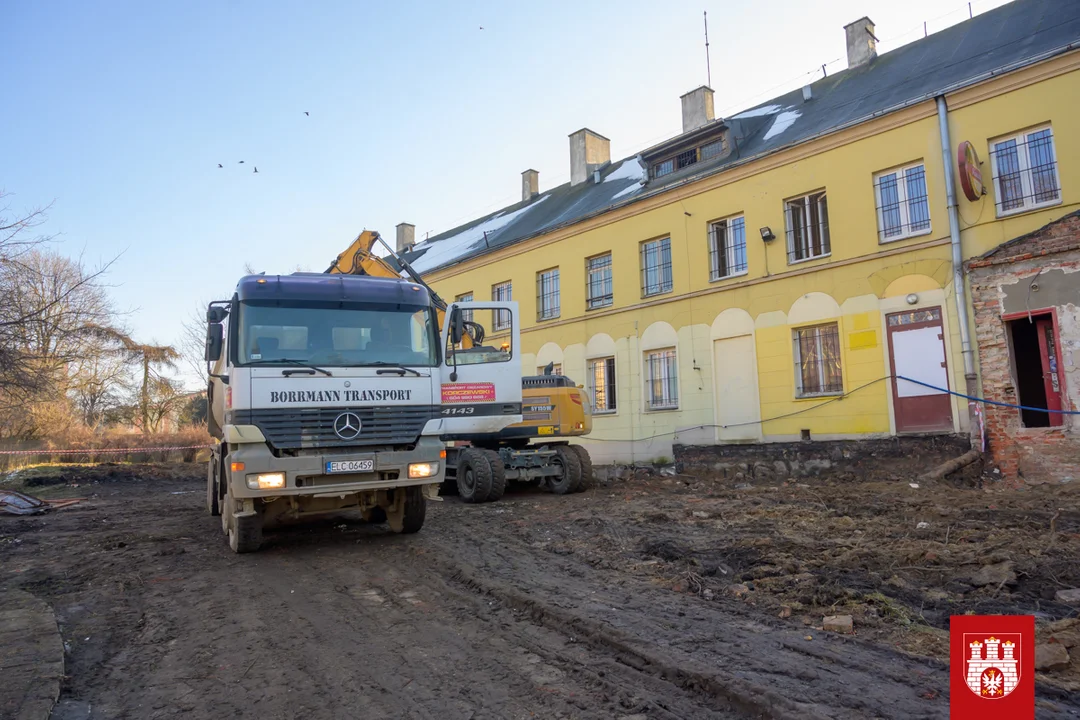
31	657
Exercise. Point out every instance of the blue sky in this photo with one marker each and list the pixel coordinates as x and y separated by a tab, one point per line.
119	112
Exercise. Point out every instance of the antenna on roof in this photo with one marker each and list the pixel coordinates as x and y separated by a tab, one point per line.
708	64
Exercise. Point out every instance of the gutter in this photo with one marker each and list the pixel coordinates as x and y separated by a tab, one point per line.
1012	67
954	234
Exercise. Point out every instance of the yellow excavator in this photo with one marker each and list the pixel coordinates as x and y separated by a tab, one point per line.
554	409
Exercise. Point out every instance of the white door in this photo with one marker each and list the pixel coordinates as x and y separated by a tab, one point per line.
480	389
735	371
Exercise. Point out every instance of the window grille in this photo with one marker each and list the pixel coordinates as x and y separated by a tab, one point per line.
547	294
686	158
663	168
655	267
902	206
727	248
602	384
807	227
817	361
500	319
1025	171
466	315
661	376
598	284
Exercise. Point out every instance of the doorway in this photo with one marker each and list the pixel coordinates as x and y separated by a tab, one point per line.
917	351
1035	368
736	386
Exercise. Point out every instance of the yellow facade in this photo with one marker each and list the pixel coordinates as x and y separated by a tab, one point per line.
715	326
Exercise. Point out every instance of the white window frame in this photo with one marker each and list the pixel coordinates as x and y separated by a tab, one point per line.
729	253
604	299
548	306
497	295
1023	161
643	253
904	208
804	202
612	406
797	356
466	315
670	373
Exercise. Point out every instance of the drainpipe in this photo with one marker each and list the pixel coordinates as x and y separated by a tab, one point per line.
957	254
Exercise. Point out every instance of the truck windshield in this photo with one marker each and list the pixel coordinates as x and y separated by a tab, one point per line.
342	336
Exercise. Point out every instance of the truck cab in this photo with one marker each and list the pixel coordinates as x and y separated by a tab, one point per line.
326	394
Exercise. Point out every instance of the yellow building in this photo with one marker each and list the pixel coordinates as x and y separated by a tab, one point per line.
760	277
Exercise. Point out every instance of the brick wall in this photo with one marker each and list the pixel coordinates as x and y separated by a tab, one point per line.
1028	454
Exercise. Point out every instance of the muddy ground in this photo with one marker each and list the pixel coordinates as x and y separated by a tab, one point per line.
646	597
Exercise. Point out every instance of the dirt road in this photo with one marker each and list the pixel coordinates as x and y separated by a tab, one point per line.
536	606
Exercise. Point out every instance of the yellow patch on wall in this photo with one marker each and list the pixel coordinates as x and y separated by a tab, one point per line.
862	340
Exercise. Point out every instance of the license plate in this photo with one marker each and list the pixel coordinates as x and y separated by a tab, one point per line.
547	430
350	466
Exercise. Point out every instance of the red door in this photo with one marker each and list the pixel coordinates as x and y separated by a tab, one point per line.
1051	379
917	352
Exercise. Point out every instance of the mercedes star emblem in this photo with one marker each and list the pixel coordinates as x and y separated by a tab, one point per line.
347	425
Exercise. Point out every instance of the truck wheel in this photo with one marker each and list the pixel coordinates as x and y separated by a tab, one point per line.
498	475
587	479
213	506
474	476
570	480
245	533
410	517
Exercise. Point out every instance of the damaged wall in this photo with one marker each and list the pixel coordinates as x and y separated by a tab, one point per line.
1037	274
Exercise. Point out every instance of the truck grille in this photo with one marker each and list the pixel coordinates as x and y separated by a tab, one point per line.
297	428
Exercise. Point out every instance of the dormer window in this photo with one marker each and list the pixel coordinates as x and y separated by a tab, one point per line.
676	155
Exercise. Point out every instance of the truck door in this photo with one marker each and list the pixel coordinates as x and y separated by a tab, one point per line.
481	371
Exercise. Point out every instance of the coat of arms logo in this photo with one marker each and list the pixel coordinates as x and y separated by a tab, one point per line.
992	665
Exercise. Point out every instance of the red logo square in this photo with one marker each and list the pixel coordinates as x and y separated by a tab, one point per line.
992	667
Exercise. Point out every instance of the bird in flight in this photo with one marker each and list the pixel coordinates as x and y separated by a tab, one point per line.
307	113
241	162
481	27
256	169
220	165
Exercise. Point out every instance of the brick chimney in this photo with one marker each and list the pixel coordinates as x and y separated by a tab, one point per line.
406	236
530	185
697	108
861	43
589	152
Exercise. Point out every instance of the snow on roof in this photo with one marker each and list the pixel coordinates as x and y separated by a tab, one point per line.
757	112
782	122
629	190
444	251
629	170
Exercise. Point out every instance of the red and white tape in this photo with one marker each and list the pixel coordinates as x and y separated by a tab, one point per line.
103	450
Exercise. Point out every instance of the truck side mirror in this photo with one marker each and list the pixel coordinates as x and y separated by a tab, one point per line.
457	327
215	338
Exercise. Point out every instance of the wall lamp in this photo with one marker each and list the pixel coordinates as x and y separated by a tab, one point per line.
767	234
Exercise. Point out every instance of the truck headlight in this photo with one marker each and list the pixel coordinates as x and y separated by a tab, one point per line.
266	481
423	470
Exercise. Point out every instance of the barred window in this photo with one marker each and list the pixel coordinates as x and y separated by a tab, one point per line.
661	377
466	315
817	361
503	292
1025	171
902	206
602	384
547	294
655	267
727	248
807	227
598	288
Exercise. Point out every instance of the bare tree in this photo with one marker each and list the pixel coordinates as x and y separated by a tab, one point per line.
99	384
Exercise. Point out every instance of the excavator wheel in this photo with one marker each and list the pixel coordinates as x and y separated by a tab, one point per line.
587	478
498	475
570	479
474	476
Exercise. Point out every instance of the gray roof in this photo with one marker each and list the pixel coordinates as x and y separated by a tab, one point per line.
991	43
